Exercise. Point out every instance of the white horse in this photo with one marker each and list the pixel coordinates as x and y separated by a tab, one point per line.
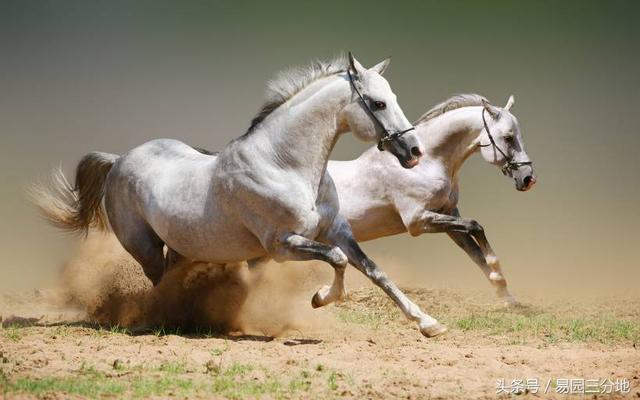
266	195
379	199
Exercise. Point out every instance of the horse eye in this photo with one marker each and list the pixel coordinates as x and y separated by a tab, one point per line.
509	138
379	105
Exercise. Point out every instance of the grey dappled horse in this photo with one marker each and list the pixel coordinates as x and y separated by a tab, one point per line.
266	195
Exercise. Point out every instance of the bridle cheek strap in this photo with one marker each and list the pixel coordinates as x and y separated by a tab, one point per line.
509	165
388	137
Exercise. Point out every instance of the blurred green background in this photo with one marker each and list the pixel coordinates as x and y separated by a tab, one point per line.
78	76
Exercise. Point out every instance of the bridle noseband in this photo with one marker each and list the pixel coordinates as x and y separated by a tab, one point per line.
509	164
388	137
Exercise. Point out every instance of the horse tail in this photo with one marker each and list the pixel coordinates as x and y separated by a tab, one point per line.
76	208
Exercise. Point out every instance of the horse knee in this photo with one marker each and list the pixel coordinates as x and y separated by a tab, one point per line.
337	258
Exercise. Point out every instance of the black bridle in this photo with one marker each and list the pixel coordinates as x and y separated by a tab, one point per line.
509	164
388	137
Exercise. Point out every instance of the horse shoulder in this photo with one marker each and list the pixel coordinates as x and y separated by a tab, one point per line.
268	199
428	188
426	185
361	185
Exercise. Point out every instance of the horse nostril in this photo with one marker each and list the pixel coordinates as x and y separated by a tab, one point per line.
528	180
415	151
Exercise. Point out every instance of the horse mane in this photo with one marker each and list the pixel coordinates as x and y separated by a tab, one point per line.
452	103
290	82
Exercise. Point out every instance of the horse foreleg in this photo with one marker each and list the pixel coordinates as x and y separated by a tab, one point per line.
433	222
466	243
342	236
490	257
298	248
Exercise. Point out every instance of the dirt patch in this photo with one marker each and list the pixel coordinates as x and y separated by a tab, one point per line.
366	350
73	342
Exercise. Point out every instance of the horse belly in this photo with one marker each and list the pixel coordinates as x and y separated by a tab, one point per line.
201	229
220	245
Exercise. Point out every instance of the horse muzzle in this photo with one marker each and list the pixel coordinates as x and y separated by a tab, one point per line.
526	183
407	149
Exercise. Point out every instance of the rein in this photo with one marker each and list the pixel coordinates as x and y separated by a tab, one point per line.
509	164
388	137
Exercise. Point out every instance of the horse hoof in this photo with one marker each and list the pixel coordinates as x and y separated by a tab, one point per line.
315	301
511	302
433	330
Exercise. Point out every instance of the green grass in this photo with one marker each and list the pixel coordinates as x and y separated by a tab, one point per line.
237	381
551	328
332	381
60	331
605	321
12	332
337	379
173	367
88	383
234	383
144	386
372	318
301	383
118	330
218	351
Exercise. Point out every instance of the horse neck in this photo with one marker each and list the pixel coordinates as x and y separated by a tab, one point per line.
301	133
451	137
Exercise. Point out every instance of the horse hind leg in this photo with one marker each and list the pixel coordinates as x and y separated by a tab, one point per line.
137	237
148	251
172	259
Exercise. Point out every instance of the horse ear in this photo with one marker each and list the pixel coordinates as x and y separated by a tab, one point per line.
493	111
381	66
510	103
355	67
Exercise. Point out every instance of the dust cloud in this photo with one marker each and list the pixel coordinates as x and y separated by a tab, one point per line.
109	286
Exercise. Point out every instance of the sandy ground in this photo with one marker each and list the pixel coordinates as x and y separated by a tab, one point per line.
82	340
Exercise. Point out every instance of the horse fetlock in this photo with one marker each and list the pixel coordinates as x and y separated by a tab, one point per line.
497	278
326	295
492	261
496	272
